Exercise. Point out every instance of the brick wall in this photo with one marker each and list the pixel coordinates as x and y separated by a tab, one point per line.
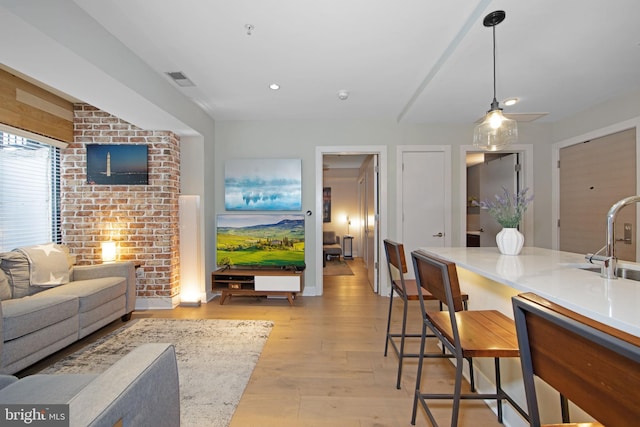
141	219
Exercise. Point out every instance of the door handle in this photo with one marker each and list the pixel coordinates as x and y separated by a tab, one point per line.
440	234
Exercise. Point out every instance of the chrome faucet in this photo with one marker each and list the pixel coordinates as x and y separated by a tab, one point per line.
609	260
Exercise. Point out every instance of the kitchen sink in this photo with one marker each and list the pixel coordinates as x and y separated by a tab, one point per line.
622	272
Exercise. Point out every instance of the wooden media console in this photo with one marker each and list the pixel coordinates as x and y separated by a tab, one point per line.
257	282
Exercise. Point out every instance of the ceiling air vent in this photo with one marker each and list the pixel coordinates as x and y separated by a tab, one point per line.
180	78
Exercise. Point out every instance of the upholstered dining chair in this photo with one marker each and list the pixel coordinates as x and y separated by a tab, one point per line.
407	290
591	364
465	333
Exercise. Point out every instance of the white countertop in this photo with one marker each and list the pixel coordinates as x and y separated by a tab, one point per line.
554	275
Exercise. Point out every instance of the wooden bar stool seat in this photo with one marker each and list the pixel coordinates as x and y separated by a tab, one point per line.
465	333
407	290
486	333
593	365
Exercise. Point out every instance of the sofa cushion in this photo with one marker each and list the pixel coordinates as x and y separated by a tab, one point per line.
5	289
92	293
28	314
48	264
16	266
45	389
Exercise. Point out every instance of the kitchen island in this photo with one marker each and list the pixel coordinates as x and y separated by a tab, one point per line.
554	275
491	279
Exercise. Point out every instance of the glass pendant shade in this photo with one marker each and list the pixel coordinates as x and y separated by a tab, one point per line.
495	132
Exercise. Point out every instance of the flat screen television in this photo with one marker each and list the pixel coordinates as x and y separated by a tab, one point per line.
260	241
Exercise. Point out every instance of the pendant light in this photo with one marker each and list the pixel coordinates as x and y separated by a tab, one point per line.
496	131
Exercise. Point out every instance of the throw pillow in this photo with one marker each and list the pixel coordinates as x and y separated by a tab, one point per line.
16	266
48	264
328	237
5	289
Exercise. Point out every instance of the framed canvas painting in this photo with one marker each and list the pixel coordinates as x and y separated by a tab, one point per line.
326	204
117	164
263	184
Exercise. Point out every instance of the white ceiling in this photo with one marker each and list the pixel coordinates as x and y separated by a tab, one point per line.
414	61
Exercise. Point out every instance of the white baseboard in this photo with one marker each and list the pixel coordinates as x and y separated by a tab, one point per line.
163	303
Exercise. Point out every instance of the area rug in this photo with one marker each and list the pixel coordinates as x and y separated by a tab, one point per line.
337	268
215	360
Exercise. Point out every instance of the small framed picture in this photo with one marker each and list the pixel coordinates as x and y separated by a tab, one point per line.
326	204
117	164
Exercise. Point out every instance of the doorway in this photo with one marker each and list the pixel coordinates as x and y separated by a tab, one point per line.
367	226
524	180
488	174
350	195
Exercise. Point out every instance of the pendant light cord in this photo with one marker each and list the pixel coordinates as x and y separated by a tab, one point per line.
494	104
494	63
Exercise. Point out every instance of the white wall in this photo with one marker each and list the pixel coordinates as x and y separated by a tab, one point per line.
298	139
620	109
293	139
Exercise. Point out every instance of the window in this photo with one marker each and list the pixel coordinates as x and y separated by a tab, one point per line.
29	192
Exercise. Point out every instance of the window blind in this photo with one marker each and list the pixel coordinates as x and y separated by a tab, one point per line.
29	192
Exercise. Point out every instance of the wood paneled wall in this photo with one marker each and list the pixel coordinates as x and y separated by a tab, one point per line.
594	175
24	105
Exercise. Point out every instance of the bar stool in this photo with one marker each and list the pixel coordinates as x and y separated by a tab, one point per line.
407	290
593	365
465	333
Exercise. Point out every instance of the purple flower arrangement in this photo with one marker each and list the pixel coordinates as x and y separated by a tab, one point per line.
507	208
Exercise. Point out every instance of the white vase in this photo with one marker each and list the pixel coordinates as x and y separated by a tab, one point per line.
509	241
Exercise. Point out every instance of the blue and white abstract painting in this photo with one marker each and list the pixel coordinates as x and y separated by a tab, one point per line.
263	184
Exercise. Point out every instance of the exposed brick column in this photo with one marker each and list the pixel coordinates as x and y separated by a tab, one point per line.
142	219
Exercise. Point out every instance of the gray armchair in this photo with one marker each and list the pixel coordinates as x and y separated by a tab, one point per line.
330	245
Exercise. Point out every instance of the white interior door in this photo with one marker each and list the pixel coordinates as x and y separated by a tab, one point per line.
424	193
369	216
495	174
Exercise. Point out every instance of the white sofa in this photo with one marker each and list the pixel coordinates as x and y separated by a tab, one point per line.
141	389
38	319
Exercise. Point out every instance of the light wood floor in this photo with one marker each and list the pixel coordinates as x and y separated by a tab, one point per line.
323	364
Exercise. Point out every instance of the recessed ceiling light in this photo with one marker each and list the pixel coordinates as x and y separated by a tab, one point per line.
343	95
274	86
510	101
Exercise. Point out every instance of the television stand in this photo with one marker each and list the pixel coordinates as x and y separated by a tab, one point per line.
257	282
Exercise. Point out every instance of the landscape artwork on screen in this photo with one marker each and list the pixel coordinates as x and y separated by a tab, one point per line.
263	185
260	240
